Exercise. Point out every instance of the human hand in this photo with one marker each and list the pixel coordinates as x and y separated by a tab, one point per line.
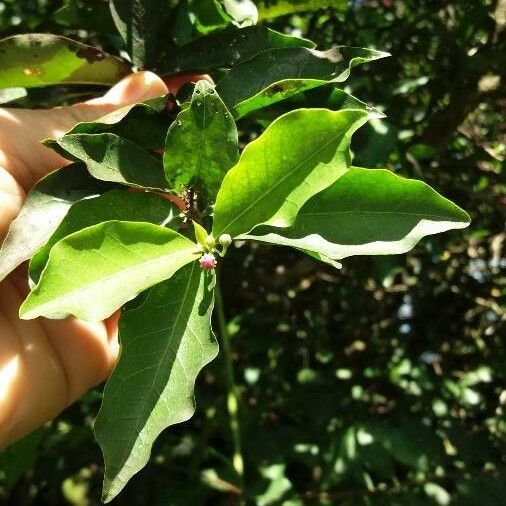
45	365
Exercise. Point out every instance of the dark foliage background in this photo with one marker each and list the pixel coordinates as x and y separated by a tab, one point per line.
379	384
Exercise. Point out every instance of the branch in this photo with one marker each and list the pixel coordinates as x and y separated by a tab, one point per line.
464	93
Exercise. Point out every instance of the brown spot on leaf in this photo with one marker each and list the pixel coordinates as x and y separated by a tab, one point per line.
276	88
91	54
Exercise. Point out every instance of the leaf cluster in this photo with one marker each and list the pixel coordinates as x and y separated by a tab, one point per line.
125	227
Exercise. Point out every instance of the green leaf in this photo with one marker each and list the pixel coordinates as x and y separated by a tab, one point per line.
367	212
45	206
294	93
327	97
227	48
114	205
93	272
269	9
144	123
41	59
276	73
208	15
112	158
202	144
141	23
200	233
298	155
165	343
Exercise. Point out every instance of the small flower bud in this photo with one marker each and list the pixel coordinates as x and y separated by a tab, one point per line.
210	242
225	240
207	261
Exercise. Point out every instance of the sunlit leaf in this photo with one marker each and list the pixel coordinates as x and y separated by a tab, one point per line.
227	48
367	212
114	205
165	342
208	15
327	97
297	156
40	59
274	74
269	9
93	272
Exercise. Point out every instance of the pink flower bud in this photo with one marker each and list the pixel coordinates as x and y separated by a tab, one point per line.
207	261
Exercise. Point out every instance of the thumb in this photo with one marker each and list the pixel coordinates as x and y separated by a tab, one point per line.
133	88
21	130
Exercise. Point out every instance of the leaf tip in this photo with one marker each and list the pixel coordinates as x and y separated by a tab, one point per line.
24	312
49	142
112	485
107	495
204	86
383	54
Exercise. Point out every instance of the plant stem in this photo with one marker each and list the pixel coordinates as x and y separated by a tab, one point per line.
232	394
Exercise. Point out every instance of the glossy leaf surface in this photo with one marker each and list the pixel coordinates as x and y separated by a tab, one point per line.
229	47
277	73
114	205
202	143
45	206
40	59
297	156
165	342
93	272
367	212
292	93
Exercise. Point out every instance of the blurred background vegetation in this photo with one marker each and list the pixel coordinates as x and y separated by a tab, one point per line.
379	384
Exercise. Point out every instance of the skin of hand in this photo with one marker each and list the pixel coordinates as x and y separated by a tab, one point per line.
45	365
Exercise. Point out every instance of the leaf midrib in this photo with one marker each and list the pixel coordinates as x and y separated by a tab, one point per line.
397	213
202	135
